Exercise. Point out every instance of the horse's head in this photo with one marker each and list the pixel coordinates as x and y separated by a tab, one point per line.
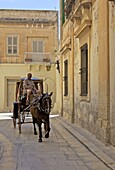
43	102
46	102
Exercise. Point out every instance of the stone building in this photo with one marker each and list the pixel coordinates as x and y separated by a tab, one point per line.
28	40
87	60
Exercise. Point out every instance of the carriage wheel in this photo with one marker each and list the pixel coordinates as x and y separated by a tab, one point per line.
19	122
15	113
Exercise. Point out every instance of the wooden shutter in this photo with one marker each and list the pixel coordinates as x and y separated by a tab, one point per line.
34	46
12	45
40	46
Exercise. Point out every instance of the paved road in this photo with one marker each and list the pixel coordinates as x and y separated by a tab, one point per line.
62	151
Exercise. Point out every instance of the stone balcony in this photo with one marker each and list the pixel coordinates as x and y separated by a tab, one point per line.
28	58
78	7
35	57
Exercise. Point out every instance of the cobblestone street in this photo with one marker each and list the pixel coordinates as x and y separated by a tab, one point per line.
61	151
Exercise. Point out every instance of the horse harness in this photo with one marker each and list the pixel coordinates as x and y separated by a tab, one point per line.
38	102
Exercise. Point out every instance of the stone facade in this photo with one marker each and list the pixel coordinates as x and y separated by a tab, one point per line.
88	31
28	40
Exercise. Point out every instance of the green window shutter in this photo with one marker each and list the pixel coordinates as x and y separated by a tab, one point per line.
63	12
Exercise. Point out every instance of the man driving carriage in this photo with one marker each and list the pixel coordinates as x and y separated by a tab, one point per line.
29	87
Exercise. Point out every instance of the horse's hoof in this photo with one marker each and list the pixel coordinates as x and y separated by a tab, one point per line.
35	133
40	140
47	134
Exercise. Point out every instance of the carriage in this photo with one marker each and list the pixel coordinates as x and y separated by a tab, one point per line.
40	105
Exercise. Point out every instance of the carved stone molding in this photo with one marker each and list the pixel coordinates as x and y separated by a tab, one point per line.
82	4
64	48
81	12
82	28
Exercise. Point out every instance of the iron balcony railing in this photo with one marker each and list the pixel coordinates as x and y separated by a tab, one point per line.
37	57
68	6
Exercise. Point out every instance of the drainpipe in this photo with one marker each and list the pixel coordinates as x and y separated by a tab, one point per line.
108	91
73	114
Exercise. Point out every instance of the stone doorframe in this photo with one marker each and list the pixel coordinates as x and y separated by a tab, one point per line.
5	97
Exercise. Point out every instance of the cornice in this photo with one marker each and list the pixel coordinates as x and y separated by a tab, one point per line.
79	31
64	48
24	20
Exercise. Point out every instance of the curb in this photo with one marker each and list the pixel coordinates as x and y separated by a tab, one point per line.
1	151
94	149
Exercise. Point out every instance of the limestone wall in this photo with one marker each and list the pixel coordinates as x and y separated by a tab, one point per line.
27	25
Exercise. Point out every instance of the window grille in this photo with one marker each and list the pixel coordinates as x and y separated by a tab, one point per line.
65	78
84	70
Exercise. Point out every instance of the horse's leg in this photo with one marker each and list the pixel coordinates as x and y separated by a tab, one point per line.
34	121
44	123
40	130
47	127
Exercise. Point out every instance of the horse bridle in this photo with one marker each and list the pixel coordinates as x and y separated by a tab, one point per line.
38	102
46	99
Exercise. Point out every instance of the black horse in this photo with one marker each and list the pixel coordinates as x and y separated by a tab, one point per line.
40	107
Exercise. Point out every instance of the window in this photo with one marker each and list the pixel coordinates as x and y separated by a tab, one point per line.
38	50
12	43
38	46
65	78
84	70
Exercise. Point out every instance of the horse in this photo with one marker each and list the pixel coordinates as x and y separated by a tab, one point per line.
40	108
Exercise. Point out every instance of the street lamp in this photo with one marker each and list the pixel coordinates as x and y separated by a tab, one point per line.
48	65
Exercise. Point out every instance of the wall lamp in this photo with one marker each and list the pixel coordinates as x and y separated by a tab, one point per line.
48	65
112	0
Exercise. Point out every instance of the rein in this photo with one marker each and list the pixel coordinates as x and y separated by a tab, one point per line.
37	102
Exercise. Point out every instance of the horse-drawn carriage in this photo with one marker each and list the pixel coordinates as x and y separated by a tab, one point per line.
39	107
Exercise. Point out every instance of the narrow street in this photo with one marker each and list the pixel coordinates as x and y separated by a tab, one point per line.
62	151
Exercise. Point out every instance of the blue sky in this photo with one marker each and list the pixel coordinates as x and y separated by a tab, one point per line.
30	4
